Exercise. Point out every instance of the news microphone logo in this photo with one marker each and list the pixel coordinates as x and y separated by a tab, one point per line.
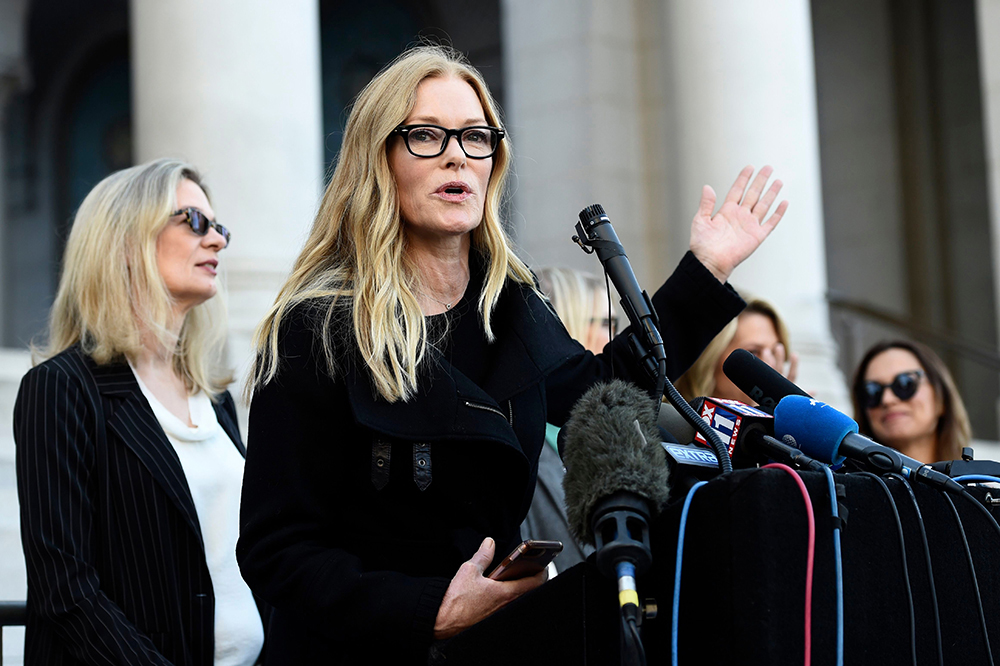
728	418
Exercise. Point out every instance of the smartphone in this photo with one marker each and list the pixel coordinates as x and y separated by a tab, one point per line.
528	559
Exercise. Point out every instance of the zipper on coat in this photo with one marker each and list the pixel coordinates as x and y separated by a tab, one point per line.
488	408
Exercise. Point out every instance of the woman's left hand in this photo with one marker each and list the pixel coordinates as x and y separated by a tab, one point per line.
721	242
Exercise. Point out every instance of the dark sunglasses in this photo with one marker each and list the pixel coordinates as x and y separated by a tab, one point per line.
904	385
200	224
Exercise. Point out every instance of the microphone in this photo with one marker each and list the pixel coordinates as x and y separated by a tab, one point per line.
616	480
826	434
748	431
762	383
595	234
594	230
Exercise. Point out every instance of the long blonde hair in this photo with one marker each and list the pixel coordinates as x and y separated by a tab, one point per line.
111	292
355	258
699	380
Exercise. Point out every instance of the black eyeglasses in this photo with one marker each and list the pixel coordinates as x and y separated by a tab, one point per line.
477	142
904	385
200	224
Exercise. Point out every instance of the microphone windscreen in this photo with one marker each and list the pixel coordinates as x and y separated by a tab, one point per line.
818	428
605	454
762	383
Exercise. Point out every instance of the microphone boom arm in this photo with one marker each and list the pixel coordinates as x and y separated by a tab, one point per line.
596	235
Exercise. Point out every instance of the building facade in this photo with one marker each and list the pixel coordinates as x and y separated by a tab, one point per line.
881	117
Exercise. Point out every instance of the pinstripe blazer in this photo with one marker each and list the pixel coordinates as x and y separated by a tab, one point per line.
114	553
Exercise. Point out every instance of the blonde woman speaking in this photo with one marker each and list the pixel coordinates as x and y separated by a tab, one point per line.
405	374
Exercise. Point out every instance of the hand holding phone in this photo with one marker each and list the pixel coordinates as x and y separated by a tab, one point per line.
471	596
529	558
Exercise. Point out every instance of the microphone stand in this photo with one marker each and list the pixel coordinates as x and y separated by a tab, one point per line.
594	233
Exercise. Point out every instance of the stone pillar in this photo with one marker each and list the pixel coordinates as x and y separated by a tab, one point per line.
743	92
572	115
988	23
233	86
13	74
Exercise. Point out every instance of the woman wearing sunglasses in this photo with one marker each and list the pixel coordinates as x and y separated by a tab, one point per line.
407	369
904	397
129	459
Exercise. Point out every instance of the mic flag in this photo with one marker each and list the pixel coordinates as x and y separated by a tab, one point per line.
735	422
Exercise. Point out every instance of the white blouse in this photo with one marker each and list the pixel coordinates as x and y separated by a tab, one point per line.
214	470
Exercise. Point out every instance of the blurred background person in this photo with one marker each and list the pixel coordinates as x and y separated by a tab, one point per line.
129	459
581	302
760	330
905	397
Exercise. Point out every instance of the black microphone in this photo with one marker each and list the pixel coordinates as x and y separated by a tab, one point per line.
595	231
762	383
616	480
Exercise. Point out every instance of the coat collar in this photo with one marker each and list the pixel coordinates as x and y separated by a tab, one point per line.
449	406
132	420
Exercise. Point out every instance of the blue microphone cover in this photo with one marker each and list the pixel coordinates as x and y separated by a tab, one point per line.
818	428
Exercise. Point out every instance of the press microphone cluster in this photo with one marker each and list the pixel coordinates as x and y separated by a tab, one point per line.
747	431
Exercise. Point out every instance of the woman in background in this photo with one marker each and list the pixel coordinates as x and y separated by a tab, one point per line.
581	302
904	397
758	329
129	459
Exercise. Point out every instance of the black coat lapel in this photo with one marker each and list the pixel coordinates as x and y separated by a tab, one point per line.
129	416
225	411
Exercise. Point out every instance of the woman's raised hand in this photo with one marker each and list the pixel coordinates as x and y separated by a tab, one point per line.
721	242
472	596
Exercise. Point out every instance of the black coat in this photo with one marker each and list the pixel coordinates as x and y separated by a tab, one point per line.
115	561
356	513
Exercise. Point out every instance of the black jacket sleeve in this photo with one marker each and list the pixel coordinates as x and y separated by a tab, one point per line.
692	306
55	431
292	549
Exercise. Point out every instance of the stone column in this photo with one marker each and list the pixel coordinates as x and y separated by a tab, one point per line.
233	86
573	118
13	74
744	93
988	22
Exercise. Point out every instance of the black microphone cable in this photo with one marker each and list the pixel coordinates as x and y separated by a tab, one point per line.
975	580
691	416
982	509
906	569
927	557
